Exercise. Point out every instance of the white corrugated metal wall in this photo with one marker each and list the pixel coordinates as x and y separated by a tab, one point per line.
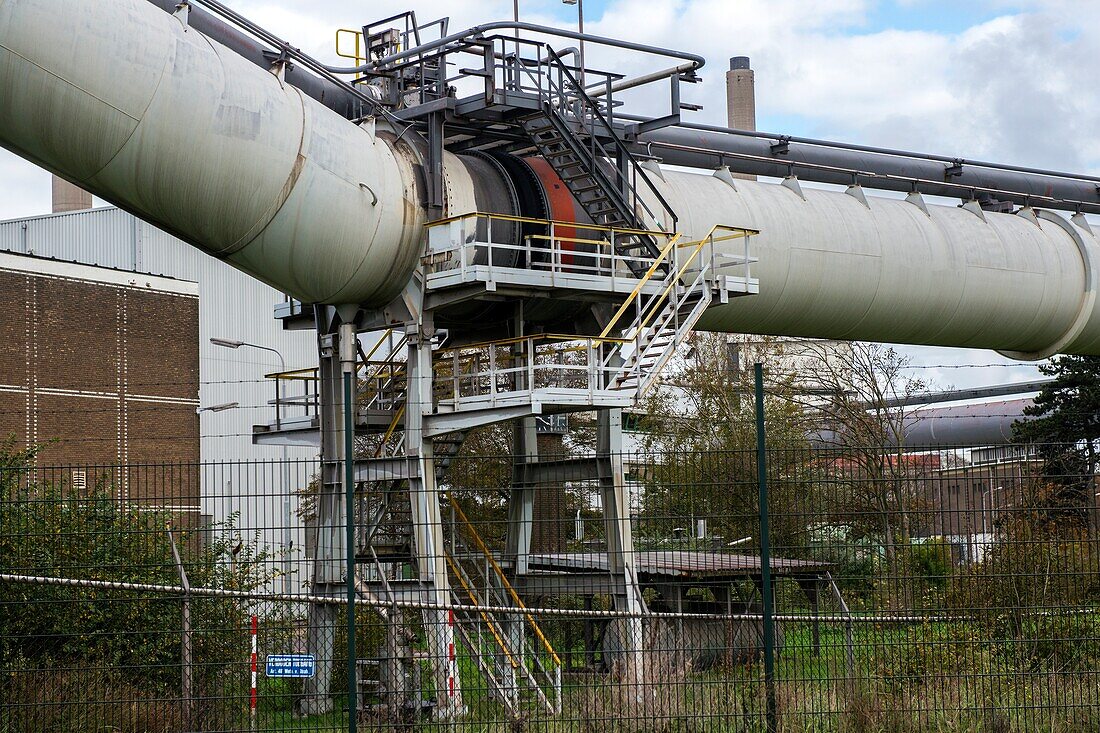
232	305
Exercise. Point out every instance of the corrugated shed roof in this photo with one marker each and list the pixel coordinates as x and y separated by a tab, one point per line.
677	563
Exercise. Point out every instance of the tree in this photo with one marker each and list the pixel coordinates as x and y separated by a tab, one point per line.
1064	431
698	436
54	530
863	390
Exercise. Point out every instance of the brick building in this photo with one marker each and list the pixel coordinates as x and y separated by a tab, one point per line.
100	368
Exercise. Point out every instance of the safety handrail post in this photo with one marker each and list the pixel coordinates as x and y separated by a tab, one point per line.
456	392
489	239
554	243
492	369
278	401
529	346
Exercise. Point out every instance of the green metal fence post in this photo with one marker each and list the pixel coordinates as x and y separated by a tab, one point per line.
347	344
765	555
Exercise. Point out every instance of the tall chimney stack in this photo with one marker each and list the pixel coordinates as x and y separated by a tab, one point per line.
740	94
741	98
68	197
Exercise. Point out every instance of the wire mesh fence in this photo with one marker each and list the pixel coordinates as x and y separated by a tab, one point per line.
913	591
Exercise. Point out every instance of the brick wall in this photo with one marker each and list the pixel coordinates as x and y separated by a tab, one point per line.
102	373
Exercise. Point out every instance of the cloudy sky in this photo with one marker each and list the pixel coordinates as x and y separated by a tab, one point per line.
1002	80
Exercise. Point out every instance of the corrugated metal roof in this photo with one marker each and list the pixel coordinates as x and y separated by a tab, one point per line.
678	563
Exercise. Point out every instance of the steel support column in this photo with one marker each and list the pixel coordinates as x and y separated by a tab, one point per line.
428	524
620	544
329	528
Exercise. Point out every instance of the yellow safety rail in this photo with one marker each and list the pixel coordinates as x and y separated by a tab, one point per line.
521	339
308	374
400	413
696	247
484	616
637	291
504	579
358	35
550	222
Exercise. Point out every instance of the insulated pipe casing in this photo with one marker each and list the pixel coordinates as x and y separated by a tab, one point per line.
137	108
131	104
843	266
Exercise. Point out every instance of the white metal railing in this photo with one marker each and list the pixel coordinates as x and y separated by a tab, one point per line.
494	371
662	307
555	248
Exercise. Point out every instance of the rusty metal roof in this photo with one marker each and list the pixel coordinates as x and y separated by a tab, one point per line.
678	563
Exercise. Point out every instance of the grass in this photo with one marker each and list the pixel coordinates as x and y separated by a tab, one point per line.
933	678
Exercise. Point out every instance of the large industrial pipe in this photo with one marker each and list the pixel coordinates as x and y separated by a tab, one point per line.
844	266
328	93
131	104
983	424
701	146
748	152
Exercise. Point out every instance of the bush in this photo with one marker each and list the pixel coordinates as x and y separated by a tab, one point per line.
930	652
123	642
1032	594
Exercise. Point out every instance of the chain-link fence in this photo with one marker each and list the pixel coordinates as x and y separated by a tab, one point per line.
953	590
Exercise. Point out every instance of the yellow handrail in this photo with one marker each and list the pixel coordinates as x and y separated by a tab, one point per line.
377	345
636	292
292	374
504	579
390	362
484	617
358	38
521	339
389	431
651	308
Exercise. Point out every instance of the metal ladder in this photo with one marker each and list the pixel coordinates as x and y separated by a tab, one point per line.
579	142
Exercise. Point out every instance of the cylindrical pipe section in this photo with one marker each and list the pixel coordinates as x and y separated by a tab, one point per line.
133	105
985	424
839	265
333	96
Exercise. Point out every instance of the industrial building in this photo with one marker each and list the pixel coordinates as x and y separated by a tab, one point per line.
100	369
530	249
112	244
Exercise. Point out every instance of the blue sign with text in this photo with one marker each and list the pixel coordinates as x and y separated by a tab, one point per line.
290	665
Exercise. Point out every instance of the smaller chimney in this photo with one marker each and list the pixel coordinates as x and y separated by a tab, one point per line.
69	197
741	98
741	94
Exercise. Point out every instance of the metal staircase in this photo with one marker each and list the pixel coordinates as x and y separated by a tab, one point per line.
510	649
665	317
579	142
405	410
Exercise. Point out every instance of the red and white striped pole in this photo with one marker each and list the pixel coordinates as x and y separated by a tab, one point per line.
452	662
252	691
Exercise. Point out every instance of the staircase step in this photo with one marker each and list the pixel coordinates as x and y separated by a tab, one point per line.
583	176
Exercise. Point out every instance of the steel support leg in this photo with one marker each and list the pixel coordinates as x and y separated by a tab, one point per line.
518	536
620	544
428	527
329	522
